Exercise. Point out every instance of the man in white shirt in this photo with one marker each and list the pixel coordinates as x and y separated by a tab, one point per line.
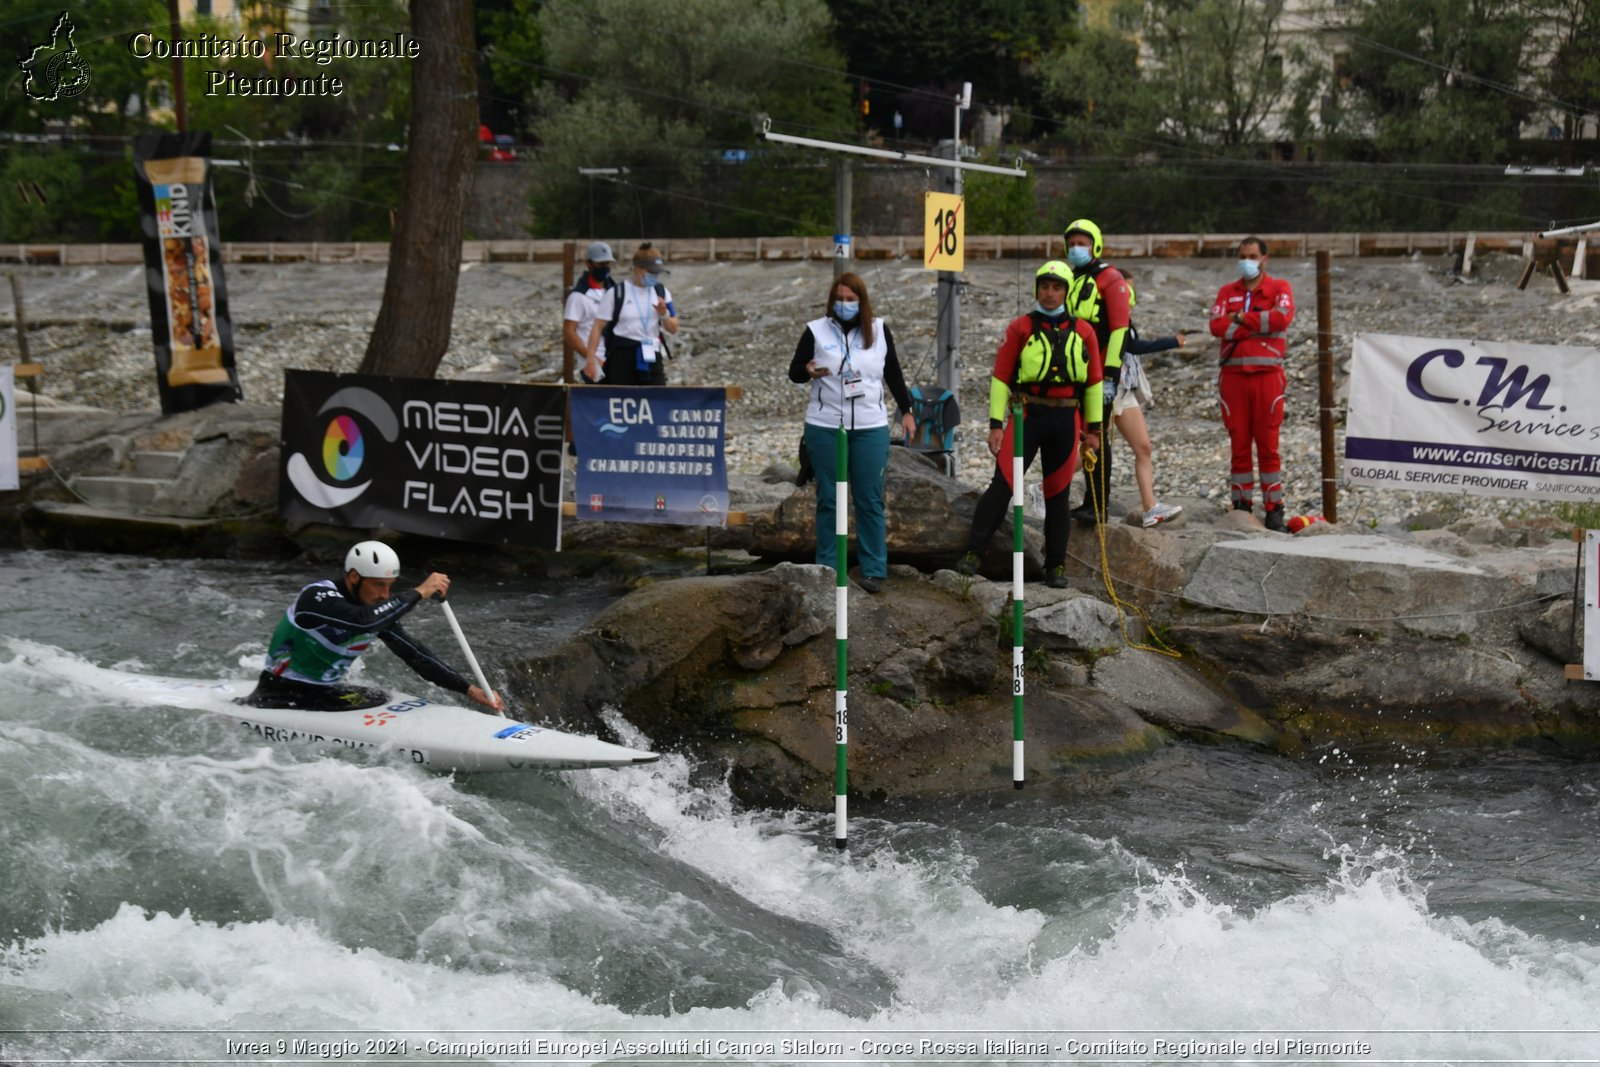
584	299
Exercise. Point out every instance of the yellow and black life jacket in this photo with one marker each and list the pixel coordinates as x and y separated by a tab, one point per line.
1053	354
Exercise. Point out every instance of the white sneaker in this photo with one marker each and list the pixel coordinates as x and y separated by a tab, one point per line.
1161	513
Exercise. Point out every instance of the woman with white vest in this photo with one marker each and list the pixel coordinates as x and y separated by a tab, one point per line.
848	357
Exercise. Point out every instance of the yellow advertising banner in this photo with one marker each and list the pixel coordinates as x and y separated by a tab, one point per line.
943	232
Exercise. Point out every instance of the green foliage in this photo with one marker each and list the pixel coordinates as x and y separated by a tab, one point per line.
320	167
508	33
653	90
991	43
1217	71
1583	516
1094	82
100	34
50	181
999	205
1429	78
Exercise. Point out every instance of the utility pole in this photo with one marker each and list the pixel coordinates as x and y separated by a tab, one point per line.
947	343
605	172
843	195
178	105
949	318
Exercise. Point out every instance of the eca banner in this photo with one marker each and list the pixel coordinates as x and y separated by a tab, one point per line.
9	479
465	461
650	455
1492	419
189	319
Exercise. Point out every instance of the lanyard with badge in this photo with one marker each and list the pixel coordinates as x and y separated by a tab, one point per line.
849	377
647	346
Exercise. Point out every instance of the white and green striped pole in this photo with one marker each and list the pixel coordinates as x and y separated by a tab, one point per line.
1016	595
841	630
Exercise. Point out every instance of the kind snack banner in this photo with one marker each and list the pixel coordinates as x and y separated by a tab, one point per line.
189	321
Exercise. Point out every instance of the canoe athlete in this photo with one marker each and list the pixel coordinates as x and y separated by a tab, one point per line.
330	624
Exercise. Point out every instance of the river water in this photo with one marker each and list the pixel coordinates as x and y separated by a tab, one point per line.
177	889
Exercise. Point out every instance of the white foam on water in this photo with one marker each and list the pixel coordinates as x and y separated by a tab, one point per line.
339	852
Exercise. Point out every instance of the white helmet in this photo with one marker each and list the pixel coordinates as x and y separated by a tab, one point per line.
372	559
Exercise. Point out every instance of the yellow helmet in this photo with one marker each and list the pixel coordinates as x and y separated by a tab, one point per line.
1054	270
1089	230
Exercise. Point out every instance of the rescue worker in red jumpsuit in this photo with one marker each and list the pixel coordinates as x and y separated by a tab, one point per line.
1098	293
1251	318
1051	360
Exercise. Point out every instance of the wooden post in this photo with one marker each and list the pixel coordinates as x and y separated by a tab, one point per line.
22	319
1330	485
1527	272
1560	277
569	265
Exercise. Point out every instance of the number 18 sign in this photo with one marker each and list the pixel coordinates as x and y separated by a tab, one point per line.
942	231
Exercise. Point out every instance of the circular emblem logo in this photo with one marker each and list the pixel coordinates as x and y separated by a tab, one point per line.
342	449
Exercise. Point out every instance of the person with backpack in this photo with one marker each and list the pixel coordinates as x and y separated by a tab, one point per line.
847	357
582	308
1050	360
633	321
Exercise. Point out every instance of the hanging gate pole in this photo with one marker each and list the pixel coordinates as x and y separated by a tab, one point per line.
841	629
1016	595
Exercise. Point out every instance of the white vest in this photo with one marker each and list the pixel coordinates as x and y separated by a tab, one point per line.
840	352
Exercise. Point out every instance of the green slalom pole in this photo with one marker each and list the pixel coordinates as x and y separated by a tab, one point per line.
1016	595
841	629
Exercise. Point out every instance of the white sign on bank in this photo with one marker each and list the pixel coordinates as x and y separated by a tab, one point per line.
1494	419
1591	605
8	430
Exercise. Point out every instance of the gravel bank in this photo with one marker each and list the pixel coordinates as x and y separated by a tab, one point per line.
90	327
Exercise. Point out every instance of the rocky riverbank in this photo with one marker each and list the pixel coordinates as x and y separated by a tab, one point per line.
741	321
1423	619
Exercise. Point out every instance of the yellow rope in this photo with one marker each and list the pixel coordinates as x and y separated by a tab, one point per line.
1091	459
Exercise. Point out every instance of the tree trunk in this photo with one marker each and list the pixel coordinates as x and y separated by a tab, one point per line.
419	292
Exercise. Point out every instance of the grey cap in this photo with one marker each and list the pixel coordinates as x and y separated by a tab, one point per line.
652	262
599	252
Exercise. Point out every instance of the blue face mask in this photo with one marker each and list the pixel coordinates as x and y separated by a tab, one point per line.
1249	269
1079	256
846	312
651	280
1052	312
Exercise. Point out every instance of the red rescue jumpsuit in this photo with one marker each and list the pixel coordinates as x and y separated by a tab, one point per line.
1252	382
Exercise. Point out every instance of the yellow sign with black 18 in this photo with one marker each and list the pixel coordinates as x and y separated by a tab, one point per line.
943	232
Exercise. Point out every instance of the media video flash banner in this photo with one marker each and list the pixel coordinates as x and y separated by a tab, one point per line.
1492	419
464	461
651	455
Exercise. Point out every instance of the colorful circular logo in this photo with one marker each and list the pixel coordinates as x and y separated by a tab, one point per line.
342	449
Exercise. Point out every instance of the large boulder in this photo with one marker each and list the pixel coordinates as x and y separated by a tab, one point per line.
742	671
1355	580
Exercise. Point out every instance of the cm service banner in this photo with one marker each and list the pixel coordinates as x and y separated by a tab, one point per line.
650	455
1492	419
464	461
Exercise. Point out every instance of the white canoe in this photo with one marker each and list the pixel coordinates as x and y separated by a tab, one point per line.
441	737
